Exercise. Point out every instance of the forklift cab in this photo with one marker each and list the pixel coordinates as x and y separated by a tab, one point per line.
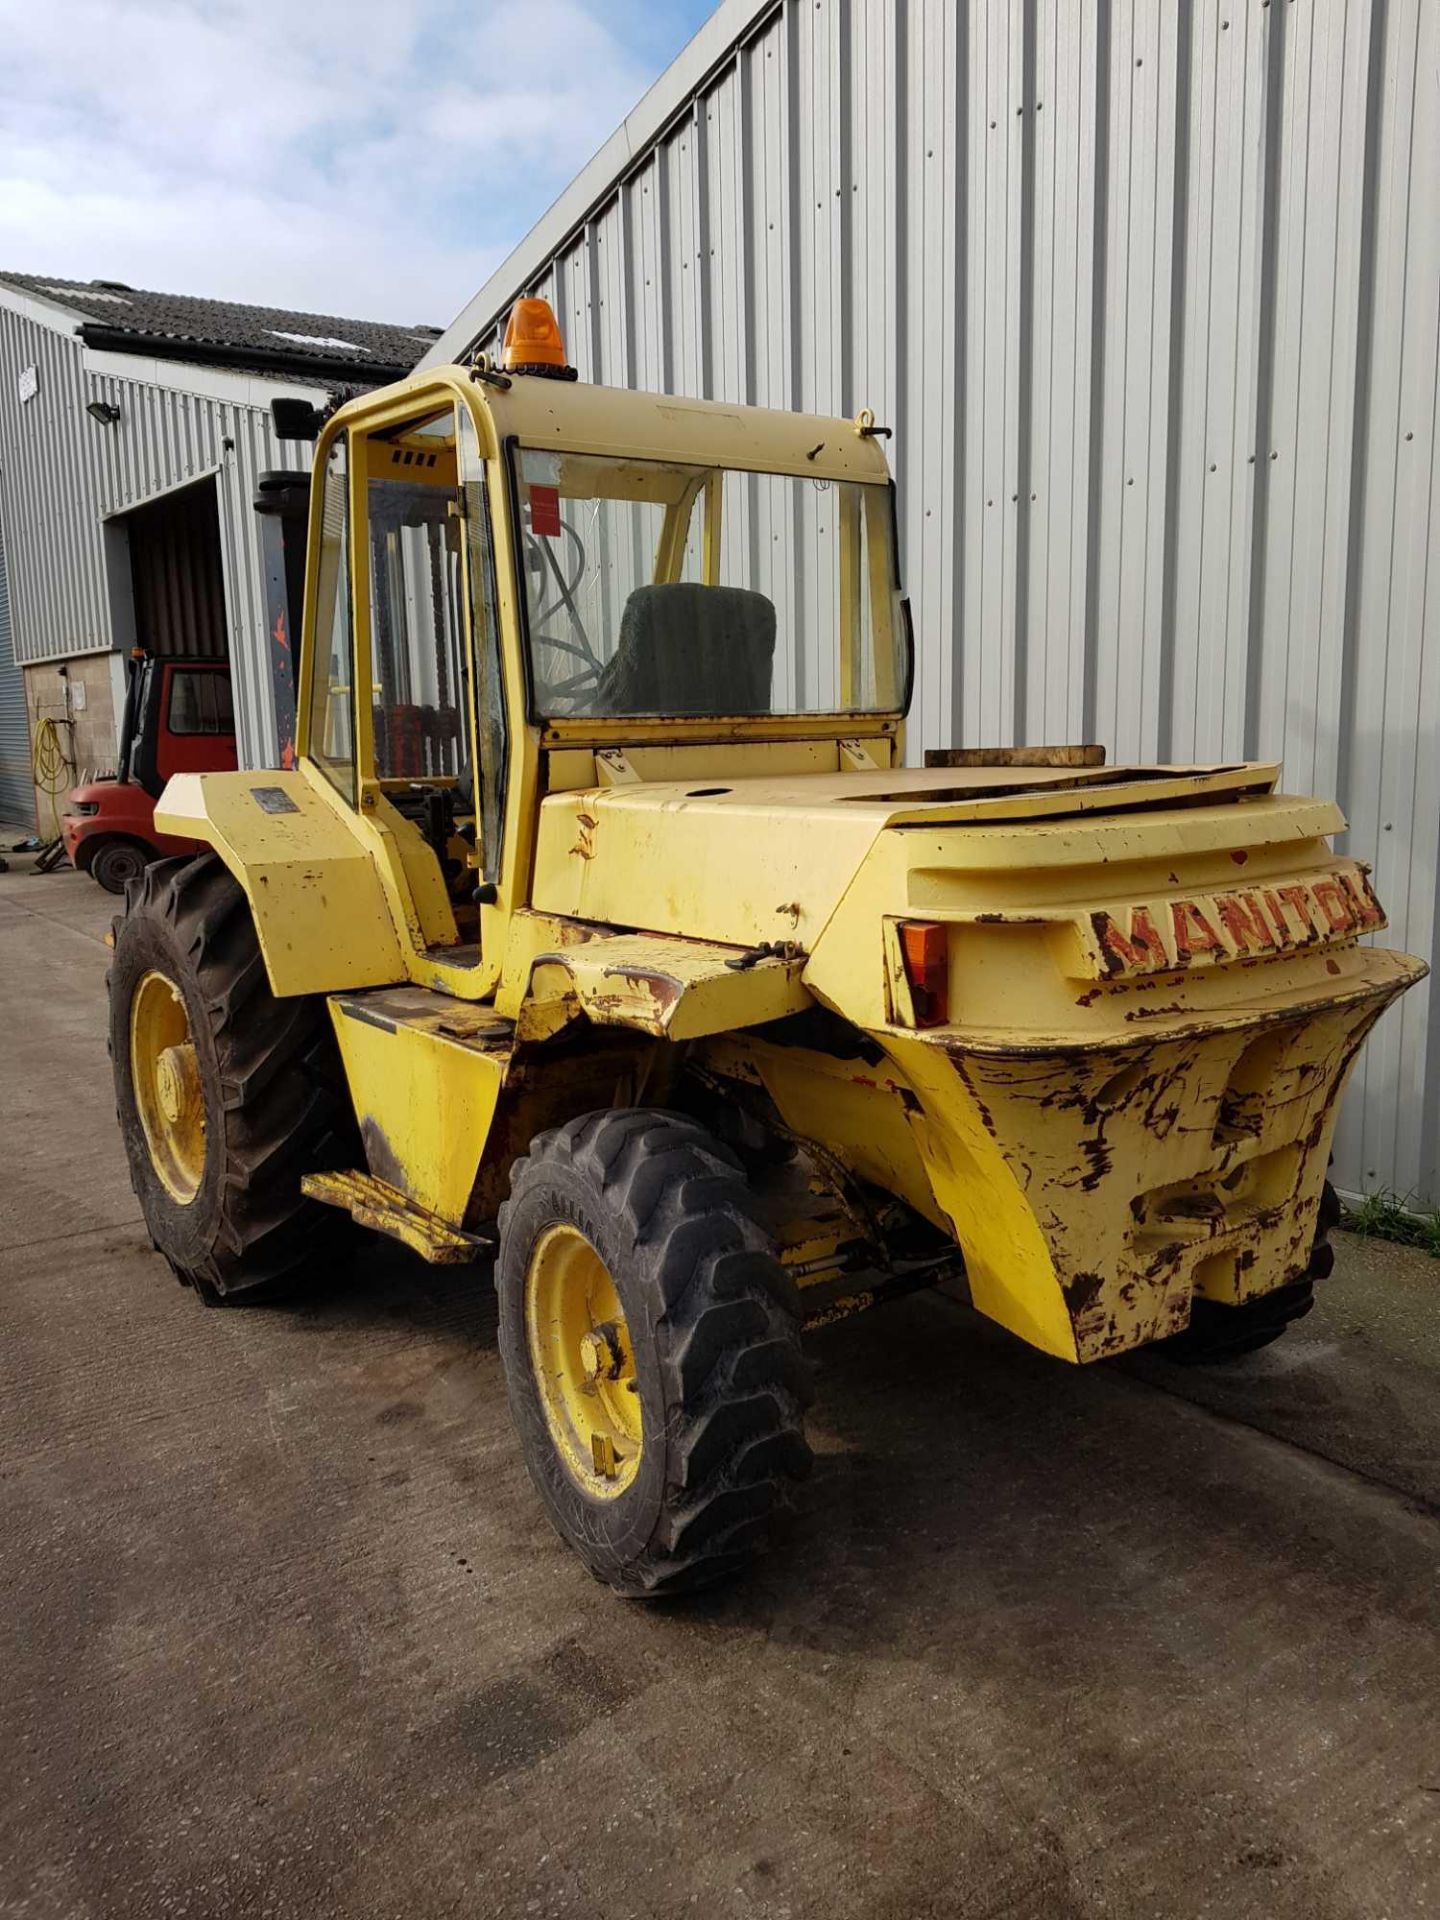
179	718
511	577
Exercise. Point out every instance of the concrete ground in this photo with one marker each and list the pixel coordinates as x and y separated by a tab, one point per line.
283	1631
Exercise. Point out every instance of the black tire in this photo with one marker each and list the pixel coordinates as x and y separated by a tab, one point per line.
715	1326
274	1099
115	863
1217	1333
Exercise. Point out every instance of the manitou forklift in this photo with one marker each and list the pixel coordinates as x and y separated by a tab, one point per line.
601	926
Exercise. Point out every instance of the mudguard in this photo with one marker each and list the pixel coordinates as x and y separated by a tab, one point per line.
319	904
670	988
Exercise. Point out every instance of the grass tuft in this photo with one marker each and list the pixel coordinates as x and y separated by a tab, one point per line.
1386	1216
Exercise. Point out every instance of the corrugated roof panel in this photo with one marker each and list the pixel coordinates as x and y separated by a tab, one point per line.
187	322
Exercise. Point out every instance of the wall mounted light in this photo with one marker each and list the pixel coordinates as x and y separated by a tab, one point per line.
105	411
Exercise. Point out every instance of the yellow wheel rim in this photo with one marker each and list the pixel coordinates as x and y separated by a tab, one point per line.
169	1096
583	1362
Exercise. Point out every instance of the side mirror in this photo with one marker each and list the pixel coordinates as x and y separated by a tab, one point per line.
296	419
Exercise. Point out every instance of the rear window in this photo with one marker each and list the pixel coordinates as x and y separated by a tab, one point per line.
200	701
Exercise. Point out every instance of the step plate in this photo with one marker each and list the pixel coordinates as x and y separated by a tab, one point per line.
384	1209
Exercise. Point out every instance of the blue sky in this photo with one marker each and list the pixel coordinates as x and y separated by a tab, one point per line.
374	159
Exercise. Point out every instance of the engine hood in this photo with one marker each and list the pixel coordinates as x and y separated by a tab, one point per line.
769	858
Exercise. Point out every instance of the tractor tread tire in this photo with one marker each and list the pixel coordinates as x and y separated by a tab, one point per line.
1218	1333
721	1326
276	1104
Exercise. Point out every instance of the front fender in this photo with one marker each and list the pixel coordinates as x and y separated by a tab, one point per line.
318	903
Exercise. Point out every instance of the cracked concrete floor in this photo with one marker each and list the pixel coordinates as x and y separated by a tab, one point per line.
283	1631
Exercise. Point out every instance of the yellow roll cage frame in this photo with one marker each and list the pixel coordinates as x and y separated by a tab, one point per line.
578	422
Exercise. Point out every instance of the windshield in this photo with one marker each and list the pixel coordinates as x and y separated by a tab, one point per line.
660	589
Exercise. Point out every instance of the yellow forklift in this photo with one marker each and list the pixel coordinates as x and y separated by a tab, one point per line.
602	926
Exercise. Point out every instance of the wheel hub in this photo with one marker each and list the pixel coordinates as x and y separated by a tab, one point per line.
601	1355
178	1082
583	1362
169	1090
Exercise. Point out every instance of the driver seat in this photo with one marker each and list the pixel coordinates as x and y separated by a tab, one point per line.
687	649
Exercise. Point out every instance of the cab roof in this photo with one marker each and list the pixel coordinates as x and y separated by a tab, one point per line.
583	418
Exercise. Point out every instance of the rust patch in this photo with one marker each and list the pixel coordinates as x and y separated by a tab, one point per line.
1081	1292
967	1080
1160	937
1193	932
1200	1205
586	824
1244	922
641	998
1138	951
1098	1162
663	988
1166	1103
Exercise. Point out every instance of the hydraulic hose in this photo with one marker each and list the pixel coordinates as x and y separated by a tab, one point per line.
50	765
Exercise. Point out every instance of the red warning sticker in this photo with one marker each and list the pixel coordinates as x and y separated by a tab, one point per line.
545	511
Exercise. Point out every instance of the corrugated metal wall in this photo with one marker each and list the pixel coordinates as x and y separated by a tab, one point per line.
1148	290
49	495
17	796
62	473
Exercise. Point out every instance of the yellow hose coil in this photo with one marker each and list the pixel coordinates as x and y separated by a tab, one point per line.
51	768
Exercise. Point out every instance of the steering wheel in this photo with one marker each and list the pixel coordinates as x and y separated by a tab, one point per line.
540	556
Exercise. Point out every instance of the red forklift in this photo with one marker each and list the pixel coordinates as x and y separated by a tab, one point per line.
179	718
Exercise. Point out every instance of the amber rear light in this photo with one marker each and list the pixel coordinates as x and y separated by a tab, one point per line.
925	949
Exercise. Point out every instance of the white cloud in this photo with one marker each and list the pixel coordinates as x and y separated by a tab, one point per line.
366	158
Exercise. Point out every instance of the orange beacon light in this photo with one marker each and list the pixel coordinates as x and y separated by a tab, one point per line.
533	343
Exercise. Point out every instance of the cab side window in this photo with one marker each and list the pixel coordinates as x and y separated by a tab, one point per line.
421	691
200	701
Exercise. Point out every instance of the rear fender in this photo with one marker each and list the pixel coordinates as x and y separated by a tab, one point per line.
668	988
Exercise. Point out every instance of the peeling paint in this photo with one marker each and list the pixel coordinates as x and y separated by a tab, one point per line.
585	825
1171	935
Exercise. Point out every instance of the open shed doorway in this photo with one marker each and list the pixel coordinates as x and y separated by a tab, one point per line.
176	577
